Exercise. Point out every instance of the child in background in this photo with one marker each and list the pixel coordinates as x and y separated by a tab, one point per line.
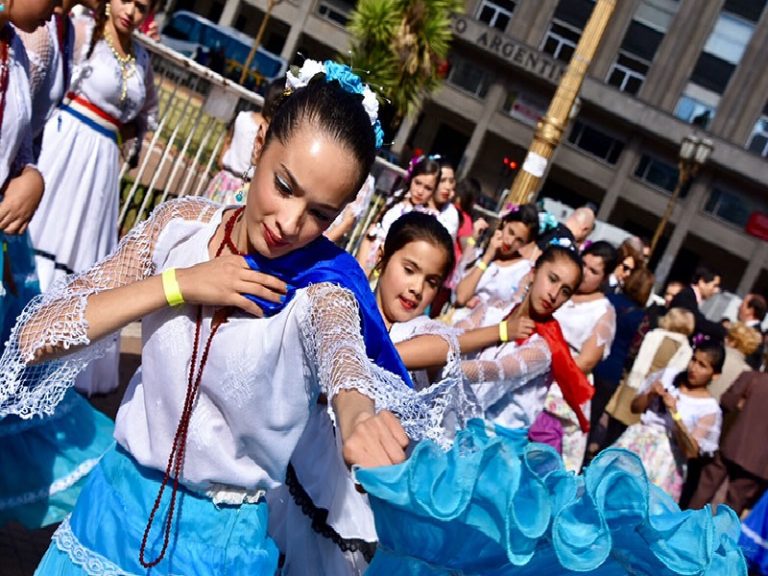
681	419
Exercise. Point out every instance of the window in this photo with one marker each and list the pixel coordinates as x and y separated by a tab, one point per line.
723	51
595	142
469	77
561	41
658	174
747	9
635	57
496	13
732	206
695	111
523	107
628	73
758	141
336	12
565	30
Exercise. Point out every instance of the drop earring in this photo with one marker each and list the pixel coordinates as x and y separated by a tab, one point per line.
108	10
240	194
2	7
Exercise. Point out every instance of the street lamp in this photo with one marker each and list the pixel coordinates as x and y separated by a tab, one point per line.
694	153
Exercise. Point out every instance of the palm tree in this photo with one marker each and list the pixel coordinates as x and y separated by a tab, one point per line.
401	44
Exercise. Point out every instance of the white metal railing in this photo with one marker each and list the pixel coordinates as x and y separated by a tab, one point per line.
197	107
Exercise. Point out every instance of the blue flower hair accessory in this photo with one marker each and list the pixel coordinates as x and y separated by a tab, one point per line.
416	160
349	81
562	242
547	222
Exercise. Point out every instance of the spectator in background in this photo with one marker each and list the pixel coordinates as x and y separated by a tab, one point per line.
743	455
630	310
664	347
705	285
752	313
740	342
656	310
630	259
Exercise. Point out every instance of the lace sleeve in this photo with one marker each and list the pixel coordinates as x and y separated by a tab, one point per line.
605	330
56	320
706	432
40	52
515	365
335	347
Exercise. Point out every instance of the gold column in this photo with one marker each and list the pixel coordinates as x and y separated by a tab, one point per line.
550	128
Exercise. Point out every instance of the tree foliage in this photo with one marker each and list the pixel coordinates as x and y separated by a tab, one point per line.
401	44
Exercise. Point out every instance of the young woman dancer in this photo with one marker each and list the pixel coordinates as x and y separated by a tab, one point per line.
111	97
183	489
681	419
441	202
588	321
497	274
423	179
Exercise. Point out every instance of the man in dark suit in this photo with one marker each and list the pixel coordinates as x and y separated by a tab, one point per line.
743	455
752	313
705	285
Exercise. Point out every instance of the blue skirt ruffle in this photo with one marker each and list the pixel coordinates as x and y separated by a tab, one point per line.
495	506
104	533
44	461
754	536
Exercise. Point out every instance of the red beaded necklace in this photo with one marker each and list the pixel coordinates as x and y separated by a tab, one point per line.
176	457
5	69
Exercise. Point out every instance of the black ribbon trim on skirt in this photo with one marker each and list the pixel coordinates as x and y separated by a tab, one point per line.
319	518
57	265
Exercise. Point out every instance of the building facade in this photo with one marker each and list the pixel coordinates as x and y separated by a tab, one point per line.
664	69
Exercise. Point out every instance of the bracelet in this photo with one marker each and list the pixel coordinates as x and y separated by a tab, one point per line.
676	416
503	331
471	241
171	288
482	266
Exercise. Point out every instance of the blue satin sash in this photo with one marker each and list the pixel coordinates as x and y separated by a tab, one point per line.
323	261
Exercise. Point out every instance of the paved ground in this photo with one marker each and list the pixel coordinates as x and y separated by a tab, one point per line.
21	549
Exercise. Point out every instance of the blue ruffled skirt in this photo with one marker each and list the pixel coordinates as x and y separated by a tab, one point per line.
44	461
494	505
104	533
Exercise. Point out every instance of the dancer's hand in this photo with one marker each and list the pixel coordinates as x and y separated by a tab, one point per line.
21	198
479	226
375	440
225	280
493	247
520	328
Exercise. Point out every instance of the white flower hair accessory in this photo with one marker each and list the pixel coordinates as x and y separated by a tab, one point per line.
351	82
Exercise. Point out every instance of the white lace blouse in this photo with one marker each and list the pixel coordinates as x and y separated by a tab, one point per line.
15	134
580	321
260	382
510	381
702	417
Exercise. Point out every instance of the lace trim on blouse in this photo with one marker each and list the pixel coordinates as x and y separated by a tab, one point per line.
55	322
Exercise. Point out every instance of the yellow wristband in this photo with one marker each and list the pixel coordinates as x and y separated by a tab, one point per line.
676	416
471	241
171	288
503	332
482	265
